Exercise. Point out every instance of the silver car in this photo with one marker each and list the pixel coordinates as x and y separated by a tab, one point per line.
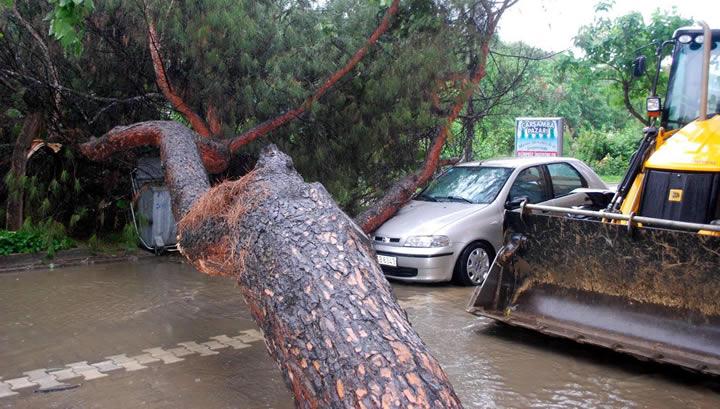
453	229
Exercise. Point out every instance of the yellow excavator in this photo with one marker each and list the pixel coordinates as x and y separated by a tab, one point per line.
638	270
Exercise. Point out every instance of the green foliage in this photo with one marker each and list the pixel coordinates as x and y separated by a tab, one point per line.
126	239
94	244
612	44
608	152
66	22
49	237
251	61
129	237
13	113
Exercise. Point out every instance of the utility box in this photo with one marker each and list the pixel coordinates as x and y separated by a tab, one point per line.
156	224
153	219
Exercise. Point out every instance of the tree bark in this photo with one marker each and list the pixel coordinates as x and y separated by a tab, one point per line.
214	155
196	122
469	126
33	125
307	273
628	103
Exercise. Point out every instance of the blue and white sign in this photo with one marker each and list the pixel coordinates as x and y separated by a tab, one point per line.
538	136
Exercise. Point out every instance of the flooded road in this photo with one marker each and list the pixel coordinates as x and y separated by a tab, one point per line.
158	334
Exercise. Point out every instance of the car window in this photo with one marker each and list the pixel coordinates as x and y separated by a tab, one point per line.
529	183
469	184
564	178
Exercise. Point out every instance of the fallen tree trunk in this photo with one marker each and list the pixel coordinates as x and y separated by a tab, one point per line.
307	273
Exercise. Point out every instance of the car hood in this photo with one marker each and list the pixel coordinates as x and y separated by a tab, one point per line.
425	218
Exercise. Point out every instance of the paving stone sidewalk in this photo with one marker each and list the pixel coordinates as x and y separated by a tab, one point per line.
53	379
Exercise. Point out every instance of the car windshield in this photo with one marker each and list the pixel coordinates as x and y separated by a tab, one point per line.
478	184
683	96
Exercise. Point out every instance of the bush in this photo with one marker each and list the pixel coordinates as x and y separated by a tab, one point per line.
607	152
49	237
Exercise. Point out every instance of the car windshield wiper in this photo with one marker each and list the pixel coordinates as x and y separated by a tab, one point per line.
457	199
426	198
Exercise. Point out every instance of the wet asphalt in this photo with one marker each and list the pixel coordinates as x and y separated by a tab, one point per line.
158	334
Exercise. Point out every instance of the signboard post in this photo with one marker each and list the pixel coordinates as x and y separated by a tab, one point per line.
538	136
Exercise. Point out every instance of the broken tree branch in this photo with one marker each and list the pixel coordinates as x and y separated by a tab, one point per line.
196	122
213	154
401	191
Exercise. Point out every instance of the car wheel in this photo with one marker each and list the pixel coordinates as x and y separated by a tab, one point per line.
473	264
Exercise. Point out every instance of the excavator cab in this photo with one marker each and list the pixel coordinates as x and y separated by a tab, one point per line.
642	275
682	174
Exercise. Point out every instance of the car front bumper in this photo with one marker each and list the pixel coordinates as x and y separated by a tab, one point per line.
418	264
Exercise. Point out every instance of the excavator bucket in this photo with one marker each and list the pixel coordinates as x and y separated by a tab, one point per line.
647	291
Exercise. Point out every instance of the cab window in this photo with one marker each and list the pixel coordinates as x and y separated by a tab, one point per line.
529	183
564	178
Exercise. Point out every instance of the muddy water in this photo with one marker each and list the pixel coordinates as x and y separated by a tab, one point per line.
53	318
498	366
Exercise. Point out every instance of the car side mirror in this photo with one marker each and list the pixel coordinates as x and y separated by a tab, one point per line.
515	202
639	66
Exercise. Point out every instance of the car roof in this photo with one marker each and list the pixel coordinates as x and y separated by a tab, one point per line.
519	161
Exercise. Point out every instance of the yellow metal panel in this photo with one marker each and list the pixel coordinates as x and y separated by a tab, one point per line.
696	147
632	201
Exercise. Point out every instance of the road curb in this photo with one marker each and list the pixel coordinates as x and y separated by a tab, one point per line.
67	258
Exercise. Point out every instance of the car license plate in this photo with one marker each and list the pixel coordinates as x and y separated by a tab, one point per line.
387	260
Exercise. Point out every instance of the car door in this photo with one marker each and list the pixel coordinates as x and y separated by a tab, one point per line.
563	178
531	183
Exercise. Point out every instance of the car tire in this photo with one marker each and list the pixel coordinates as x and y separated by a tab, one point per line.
473	264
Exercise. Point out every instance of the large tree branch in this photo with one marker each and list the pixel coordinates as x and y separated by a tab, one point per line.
272	124
628	103
213	120
185	175
312	284
196	122
214	155
401	192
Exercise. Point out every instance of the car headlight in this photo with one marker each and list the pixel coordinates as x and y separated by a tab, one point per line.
427	241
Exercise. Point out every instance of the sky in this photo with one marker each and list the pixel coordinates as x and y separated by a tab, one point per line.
552	24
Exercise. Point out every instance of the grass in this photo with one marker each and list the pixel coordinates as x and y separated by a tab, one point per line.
611	179
124	240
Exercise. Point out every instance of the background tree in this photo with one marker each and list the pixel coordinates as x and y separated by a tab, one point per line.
611	45
69	95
